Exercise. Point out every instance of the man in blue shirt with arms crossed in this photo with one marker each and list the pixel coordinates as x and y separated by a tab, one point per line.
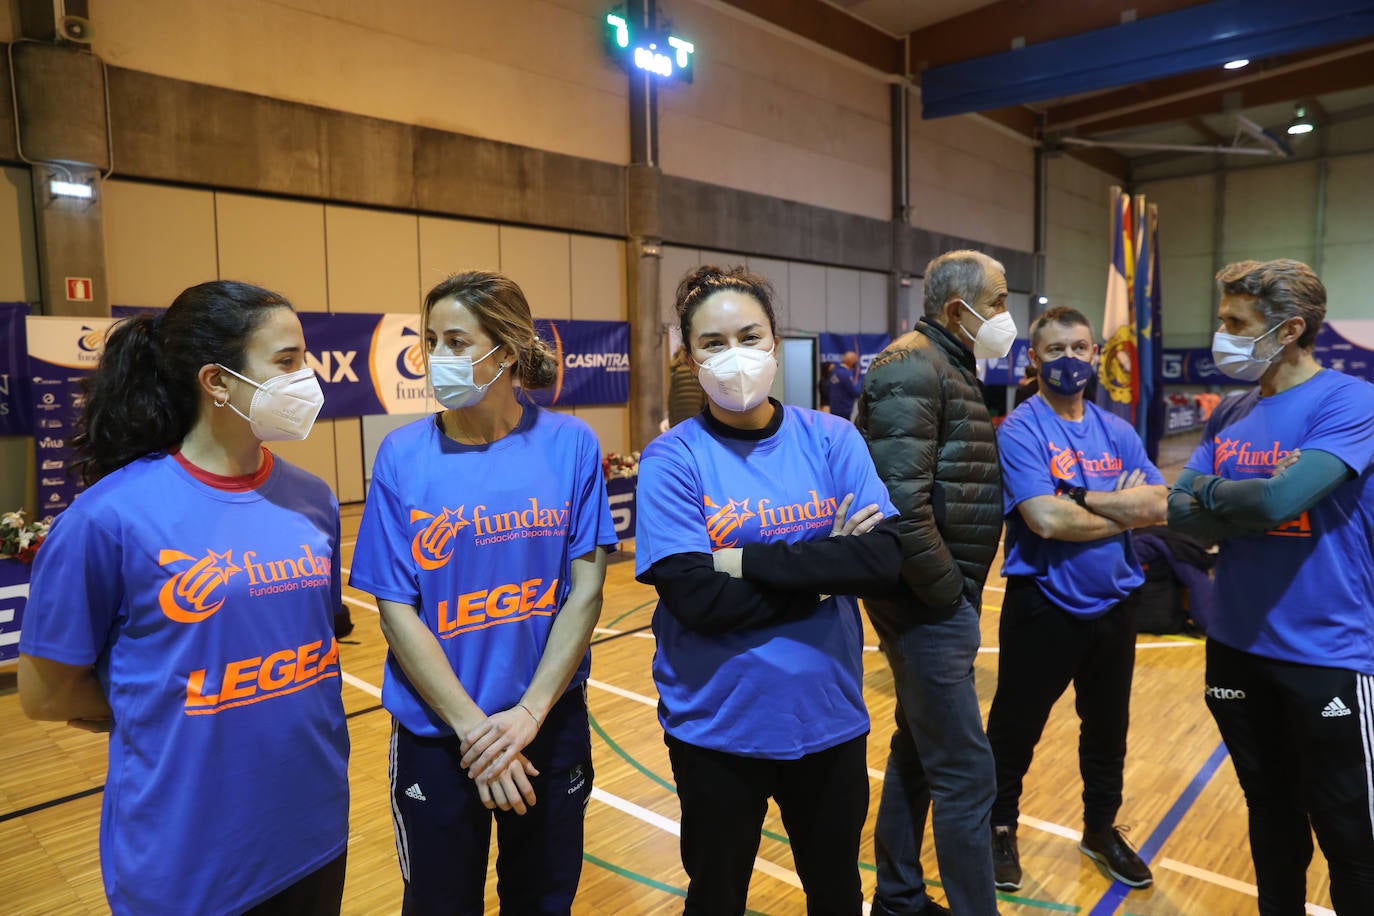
1076	480
1284	480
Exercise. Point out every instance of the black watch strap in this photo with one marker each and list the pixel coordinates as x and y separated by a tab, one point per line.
1079	495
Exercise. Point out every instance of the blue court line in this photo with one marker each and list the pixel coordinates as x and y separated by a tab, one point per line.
1115	894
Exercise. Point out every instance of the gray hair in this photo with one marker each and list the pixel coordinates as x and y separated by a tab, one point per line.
957	275
1282	289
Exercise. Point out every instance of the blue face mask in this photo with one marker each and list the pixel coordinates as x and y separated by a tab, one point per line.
1066	375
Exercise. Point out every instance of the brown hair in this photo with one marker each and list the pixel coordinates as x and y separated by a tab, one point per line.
1282	289
504	313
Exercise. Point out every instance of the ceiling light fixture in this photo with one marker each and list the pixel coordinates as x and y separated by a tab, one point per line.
1301	124
70	189
1236	64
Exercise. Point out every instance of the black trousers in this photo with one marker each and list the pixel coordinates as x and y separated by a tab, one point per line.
443	831
1044	649
319	893
1302	740
823	798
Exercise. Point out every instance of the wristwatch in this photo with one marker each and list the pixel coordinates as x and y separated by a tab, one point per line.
1079	495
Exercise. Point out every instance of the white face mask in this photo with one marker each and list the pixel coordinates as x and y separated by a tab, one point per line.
451	379
1234	354
284	407
995	337
738	378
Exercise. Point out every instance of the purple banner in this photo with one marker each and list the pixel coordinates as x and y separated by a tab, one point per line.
371	364
833	347
14	595
62	352
1347	346
1009	369
620	491
16	415
593	362
1192	366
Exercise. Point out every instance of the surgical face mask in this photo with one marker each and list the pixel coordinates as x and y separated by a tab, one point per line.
1234	354
995	337
284	407
451	379
738	378
1066	375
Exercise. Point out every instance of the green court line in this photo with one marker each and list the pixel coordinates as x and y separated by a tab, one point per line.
637	607
645	880
596	727
863	866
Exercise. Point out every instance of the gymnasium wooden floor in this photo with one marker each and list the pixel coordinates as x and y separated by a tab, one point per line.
1183	805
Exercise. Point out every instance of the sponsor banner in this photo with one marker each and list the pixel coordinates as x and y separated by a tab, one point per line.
593	362
833	347
16	418
1009	369
1347	346
371	364
1192	366
62	352
620	491
14	595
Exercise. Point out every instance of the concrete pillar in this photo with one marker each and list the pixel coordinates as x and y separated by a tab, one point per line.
643	258
63	133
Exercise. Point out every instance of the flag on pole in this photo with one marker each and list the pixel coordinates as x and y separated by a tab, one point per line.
1118	383
1140	304
1152	347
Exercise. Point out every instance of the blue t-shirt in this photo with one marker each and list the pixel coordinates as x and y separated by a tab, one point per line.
480	538
1043	454
777	691
1303	592
209	618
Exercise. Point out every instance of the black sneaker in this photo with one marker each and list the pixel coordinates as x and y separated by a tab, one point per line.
1111	850
1006	859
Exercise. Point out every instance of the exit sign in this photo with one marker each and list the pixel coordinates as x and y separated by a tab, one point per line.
666	56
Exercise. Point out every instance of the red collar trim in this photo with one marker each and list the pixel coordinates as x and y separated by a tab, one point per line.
233	484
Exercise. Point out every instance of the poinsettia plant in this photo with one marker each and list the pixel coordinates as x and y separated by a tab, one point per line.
614	465
19	540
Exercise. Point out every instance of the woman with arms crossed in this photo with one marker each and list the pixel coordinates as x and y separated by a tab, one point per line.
484	540
761	679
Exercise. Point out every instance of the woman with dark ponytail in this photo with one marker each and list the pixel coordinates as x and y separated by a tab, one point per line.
484	540
185	604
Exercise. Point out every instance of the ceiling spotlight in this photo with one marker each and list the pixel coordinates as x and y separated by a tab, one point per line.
1301	124
1236	64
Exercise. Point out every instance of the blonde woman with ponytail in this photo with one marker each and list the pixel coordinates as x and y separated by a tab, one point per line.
484	540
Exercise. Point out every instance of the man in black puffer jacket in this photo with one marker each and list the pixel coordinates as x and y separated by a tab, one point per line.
932	440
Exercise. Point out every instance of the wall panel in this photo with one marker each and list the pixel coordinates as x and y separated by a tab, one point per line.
278	244
373	260
18	251
158	241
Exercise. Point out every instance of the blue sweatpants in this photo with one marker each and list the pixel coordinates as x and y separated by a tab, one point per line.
443	831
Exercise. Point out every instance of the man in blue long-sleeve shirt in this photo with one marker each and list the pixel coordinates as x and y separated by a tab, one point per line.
1284	480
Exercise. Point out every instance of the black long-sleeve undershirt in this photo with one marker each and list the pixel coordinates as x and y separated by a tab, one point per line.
782	581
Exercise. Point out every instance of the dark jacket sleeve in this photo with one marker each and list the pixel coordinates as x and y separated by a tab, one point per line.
868	565
904	398
712	603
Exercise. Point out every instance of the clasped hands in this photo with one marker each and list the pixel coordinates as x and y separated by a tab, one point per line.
493	758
